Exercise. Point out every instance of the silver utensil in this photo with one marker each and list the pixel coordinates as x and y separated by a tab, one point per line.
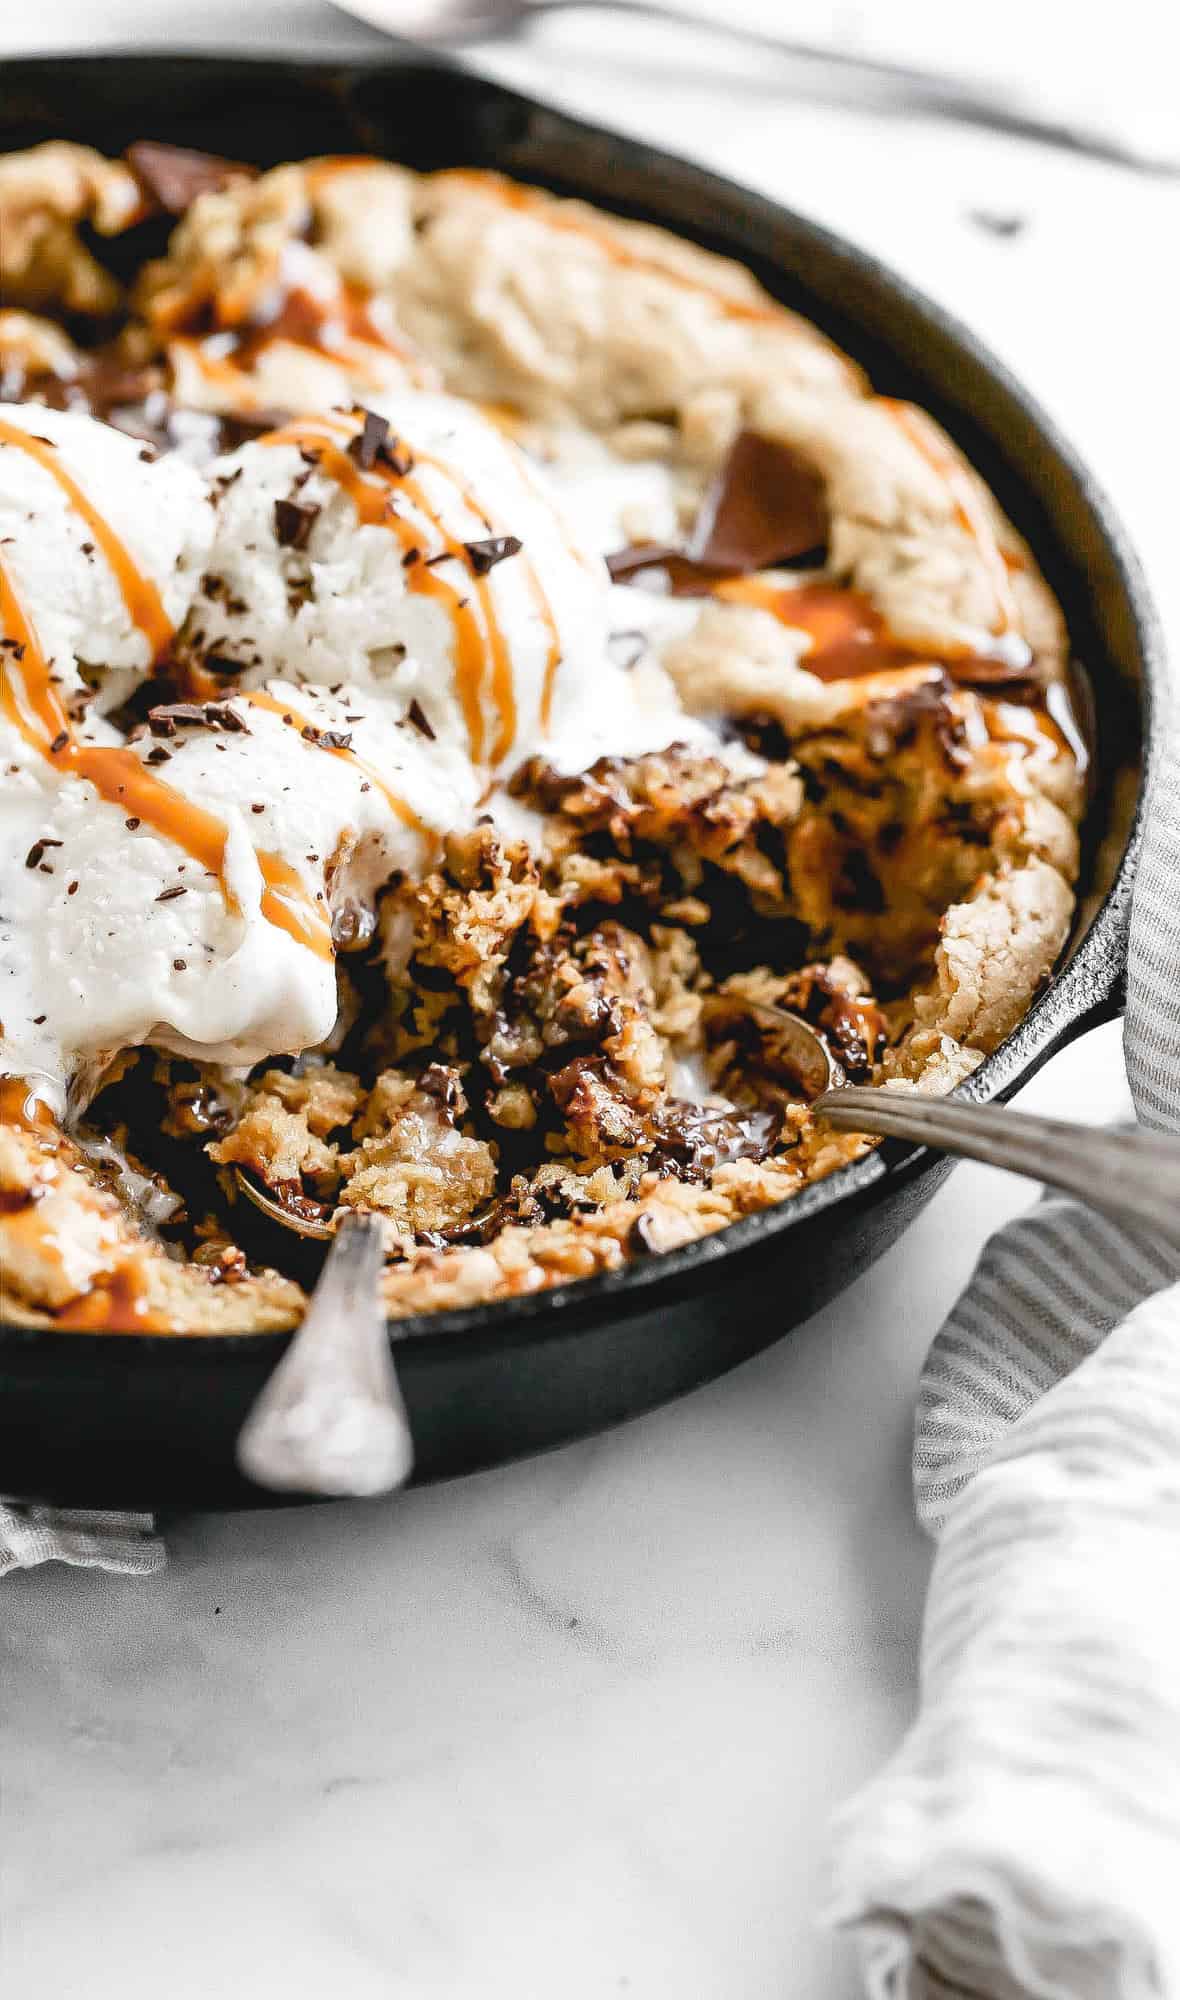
275	1211
331	1418
1134	1176
444	23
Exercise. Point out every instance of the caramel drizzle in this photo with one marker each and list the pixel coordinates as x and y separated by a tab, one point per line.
31	704
286	904
144	605
970	511
469	606
341	330
532	201
28	698
289	714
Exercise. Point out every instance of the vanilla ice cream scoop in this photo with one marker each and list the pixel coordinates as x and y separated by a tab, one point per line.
198	910
417	552
398	615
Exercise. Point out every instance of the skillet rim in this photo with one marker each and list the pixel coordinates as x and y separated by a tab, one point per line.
1084	991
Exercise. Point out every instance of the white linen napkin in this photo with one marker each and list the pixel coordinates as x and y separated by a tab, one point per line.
1025	1838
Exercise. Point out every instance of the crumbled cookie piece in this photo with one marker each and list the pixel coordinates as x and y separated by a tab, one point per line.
415	1164
45	194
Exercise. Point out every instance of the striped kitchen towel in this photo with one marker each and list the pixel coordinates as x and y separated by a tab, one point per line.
1025	1838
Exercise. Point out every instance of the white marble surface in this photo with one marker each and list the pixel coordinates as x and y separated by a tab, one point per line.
576	1727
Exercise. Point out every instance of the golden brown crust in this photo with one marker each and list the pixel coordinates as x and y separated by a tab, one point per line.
45	194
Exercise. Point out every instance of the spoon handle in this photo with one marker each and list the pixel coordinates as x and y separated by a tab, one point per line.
1134	1176
331	1418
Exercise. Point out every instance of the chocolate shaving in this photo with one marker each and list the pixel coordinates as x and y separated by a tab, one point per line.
327	739
294	523
369	440
173	176
167	717
170	895
415	716
59	742
483	556
374	446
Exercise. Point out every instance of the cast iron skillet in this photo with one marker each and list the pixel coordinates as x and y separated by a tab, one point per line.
149	1421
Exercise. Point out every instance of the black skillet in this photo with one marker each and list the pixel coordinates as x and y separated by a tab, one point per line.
151	1420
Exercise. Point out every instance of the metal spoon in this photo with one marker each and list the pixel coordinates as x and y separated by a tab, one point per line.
1133	1176
443	23
331	1418
276	1211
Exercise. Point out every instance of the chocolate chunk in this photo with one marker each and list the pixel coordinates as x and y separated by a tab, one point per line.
59	742
131	824
416	717
33	857
640	1236
173	176
219	715
294	523
765	506
158	756
483	556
